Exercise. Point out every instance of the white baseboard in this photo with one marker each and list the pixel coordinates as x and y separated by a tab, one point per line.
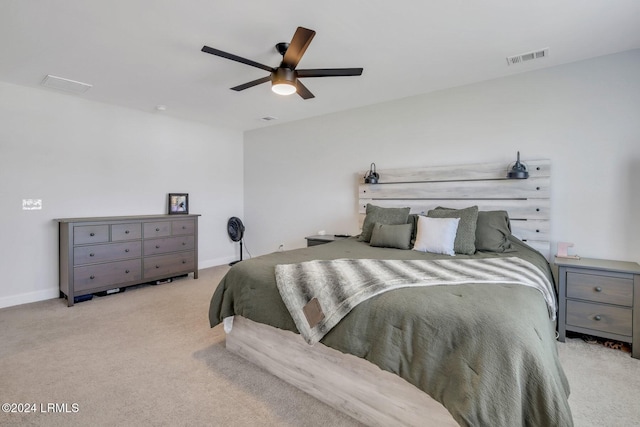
216	262
29	297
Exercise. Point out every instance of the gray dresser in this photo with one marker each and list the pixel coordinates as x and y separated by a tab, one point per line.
103	253
601	298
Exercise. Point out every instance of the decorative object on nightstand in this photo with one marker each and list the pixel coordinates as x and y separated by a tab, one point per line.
601	298
321	239
563	250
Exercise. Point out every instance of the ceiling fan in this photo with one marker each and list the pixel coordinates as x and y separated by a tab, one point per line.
285	78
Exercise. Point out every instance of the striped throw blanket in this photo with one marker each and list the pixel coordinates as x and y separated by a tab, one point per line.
320	293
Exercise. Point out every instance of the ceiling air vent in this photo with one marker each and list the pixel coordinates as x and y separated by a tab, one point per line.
524	57
65	84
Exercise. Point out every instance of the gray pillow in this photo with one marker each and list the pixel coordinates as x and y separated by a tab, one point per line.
466	237
391	236
390	216
492	232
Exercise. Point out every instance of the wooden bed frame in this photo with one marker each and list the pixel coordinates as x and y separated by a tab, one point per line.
353	385
347	383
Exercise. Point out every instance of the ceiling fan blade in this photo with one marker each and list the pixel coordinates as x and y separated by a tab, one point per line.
329	72
297	47
237	58
251	84
303	91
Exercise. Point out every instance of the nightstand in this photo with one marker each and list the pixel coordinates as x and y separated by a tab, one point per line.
601	298
322	239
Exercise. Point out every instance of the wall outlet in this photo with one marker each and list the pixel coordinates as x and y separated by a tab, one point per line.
31	204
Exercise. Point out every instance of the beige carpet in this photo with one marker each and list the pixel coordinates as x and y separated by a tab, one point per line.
148	357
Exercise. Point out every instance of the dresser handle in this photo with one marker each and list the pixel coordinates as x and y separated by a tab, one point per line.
157	246
91	254
157	229
183	243
184	262
598	289
126	231
92	234
157	266
126	271
92	277
126	250
184	228
597	317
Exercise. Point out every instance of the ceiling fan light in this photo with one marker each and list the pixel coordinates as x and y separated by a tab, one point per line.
283	88
283	81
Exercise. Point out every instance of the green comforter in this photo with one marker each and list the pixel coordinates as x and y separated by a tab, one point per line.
487	352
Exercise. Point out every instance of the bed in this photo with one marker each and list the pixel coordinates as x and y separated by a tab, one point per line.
479	352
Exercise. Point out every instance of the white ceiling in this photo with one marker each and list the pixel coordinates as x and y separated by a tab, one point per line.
143	53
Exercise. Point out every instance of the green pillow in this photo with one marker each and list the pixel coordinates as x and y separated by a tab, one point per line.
492	232
389	216
465	242
391	236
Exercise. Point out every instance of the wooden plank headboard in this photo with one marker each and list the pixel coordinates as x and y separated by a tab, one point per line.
486	185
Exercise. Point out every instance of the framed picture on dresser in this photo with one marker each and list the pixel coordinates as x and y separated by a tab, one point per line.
178	203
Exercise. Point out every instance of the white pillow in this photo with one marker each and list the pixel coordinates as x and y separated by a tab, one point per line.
436	235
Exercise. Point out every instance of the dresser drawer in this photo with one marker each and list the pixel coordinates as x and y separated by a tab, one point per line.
170	244
157	229
605	318
126	232
187	226
103	253
164	265
98	275
600	288
90	234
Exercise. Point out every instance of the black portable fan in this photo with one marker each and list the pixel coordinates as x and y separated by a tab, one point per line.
235	228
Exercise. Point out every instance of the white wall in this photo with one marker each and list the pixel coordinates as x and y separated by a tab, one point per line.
89	159
585	117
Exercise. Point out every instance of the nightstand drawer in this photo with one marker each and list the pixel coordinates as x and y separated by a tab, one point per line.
600	288
605	318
